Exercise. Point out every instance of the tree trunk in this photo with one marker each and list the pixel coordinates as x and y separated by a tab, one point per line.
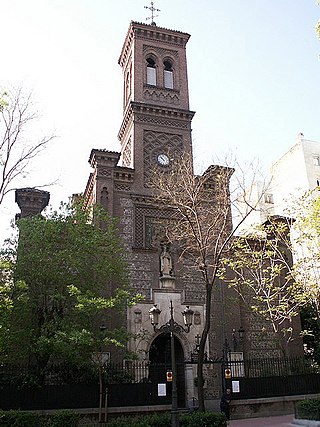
202	345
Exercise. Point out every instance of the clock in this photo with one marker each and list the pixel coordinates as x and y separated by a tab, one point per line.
163	159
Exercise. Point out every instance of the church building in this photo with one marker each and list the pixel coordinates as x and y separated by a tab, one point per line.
156	123
155	130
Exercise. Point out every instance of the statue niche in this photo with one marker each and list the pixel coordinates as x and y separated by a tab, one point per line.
167	279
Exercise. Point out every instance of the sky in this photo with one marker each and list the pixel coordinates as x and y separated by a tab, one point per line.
253	69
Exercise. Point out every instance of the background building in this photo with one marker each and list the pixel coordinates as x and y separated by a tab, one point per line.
291	176
296	172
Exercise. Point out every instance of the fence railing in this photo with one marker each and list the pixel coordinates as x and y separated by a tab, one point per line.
136	382
272	367
127	372
274	377
54	374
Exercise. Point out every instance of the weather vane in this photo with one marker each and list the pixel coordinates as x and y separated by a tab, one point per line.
152	9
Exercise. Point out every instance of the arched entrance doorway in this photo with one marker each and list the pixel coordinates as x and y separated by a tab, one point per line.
160	363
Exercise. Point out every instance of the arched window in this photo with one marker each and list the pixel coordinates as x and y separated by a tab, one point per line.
151	72
168	74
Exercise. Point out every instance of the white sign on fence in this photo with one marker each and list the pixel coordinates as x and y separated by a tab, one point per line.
235	386
162	390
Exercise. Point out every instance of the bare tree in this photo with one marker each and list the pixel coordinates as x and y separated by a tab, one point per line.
306	246
263	274
203	228
276	268
16	152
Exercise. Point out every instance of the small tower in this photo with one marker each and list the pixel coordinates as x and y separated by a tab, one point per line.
31	201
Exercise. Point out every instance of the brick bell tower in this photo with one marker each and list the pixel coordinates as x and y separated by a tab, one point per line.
155	132
156	126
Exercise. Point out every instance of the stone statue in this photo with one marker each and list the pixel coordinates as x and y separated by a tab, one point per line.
165	262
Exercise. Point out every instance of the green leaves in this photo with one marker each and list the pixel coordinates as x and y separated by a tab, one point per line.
70	272
3	101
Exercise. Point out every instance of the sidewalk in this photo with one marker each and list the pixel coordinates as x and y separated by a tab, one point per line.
280	421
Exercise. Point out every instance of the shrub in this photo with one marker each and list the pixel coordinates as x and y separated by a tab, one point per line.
308	409
71	419
197	419
63	418
203	419
138	421
29	419
160	420
19	419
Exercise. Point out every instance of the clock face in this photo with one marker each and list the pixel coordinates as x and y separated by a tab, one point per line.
163	160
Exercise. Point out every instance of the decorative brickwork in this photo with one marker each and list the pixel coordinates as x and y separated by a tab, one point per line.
31	201
155	230
261	339
122	187
158	115
163	122
156	143
103	172
126	223
125	175
127	154
195	296
162	53
155	35
139	263
149	223
161	95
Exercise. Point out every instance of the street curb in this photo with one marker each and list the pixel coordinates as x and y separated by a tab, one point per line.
305	423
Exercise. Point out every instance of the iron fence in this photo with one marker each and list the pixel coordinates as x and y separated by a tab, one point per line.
55	374
273	377
130	383
275	367
133	383
126	372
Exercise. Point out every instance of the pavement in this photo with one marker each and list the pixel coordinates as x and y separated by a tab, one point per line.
279	421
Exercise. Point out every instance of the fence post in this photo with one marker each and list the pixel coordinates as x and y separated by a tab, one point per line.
106	405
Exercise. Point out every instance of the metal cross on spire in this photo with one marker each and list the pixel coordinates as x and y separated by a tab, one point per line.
152	9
